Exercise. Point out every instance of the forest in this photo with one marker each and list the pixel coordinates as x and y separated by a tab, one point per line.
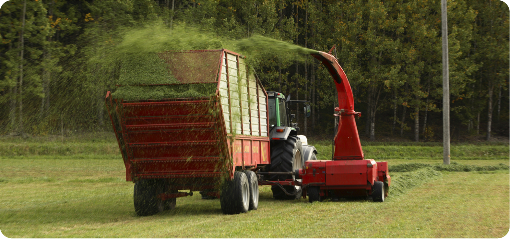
55	67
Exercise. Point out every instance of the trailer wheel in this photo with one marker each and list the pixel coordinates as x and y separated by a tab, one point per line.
314	194
146	199
170	203
378	192
235	195
254	189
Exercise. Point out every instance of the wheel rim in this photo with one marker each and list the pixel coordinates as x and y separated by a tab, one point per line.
382	193
246	198
255	192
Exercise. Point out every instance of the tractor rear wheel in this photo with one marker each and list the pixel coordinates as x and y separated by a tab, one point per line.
235	194
286	157
254	189
145	197
378	192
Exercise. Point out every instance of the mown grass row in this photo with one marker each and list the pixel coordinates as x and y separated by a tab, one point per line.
409	175
453	167
458	151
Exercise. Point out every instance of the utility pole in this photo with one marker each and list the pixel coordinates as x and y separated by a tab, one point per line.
446	87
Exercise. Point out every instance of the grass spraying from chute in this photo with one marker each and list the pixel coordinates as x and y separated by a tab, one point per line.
139	60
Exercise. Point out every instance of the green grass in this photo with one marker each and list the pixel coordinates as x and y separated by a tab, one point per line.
97	145
85	196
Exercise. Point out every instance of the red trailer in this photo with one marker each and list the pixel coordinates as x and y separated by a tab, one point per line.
200	143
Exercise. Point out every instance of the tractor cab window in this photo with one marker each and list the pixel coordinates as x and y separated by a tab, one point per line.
272	111
283	112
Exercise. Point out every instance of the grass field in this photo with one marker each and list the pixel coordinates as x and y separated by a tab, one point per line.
84	194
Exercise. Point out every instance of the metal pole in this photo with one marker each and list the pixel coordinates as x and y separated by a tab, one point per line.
446	87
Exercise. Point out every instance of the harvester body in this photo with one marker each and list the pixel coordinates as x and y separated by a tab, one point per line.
348	174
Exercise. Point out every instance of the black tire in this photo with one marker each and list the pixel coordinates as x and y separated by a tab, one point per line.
378	191
254	189
286	157
313	194
235	195
170	203
146	198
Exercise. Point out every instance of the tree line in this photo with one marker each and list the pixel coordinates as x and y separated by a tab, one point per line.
53	79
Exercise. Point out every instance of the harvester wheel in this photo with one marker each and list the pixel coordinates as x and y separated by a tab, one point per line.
146	198
378	192
313	194
235	194
286	157
254	189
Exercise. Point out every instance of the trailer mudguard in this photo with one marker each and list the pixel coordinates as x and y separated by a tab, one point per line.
280	133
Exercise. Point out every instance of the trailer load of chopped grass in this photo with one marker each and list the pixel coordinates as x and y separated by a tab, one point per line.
144	69
147	76
136	93
148	71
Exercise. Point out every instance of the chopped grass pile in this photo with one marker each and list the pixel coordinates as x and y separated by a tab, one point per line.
144	69
141	65
135	93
